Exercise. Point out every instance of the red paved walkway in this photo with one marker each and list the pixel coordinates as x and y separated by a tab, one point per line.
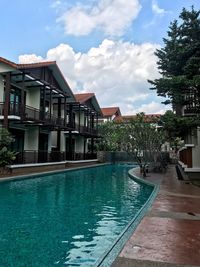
169	234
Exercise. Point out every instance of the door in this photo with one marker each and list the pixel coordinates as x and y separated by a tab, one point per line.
70	148
43	148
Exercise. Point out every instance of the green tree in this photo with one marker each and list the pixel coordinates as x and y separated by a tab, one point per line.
175	126
179	62
144	141
112	136
6	155
138	138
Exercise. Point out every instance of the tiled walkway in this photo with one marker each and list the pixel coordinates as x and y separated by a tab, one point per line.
169	234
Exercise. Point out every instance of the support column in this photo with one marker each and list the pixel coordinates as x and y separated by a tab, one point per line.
88	119
59	131
97	122
85	118
7	100
44	101
84	149
92	145
59	107
70	116
65	111
70	145
50	103
58	139
79	118
22	97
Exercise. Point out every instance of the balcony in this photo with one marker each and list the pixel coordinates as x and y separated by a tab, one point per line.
86	130
14	109
192	103
191	111
32	115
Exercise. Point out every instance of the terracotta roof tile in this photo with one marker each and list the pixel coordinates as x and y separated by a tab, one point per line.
81	98
10	63
110	111
36	65
29	65
151	118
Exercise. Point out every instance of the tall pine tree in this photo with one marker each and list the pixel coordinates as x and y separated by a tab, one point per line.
179	63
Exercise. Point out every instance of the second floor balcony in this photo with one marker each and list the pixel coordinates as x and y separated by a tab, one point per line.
86	129
192	103
31	115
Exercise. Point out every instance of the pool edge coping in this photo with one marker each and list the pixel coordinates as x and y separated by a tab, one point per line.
46	173
113	251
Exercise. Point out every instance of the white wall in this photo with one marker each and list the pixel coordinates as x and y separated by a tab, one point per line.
1	88
33	98
49	141
81	118
79	144
191	137
62	142
31	138
107	119
5	68
54	139
55	111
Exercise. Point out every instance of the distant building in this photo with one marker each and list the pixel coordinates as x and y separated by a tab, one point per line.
110	114
150	118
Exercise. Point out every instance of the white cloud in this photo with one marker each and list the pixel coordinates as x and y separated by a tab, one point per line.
156	9
30	58
112	17
158	14
152	108
115	71
55	4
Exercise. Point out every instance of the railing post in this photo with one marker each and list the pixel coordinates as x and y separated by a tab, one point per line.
22	97
7	99
79	117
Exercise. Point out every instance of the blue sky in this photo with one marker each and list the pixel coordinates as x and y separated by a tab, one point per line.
91	41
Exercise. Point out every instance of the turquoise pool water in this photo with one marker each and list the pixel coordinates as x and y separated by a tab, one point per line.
66	219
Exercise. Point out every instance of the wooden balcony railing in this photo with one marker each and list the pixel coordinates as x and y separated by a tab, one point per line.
192	110
29	113
86	129
32	114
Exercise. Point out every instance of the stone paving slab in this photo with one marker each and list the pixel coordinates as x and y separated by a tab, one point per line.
167	193
169	234
174	215
165	240
177	203
122	262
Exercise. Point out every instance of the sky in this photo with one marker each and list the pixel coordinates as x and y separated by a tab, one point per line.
105	46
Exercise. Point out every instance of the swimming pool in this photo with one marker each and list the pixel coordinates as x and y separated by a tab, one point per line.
66	219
